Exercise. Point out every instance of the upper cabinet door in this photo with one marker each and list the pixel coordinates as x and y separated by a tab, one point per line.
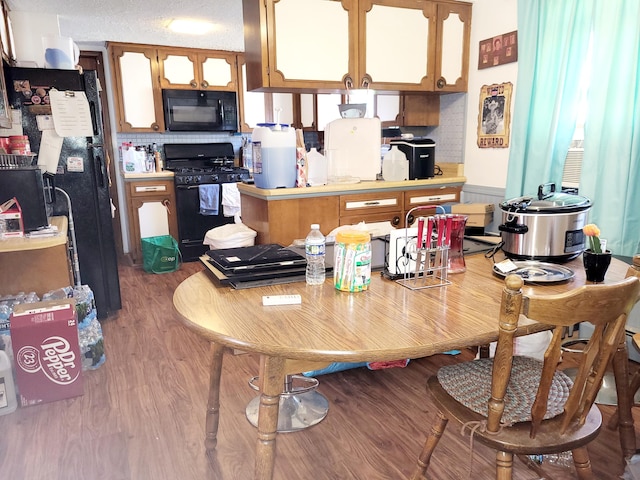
452	59
292	45
329	46
386	64
218	71
137	90
197	69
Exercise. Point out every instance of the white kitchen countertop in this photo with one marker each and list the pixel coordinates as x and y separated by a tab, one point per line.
164	175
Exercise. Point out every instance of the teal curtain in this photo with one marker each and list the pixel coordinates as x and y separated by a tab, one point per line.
553	55
611	165
553	41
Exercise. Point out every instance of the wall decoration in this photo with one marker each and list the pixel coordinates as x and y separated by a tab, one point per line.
494	116
498	50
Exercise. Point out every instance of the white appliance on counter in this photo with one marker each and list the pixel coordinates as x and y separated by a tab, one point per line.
357	144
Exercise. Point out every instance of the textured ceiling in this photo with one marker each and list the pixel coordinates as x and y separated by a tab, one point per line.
142	21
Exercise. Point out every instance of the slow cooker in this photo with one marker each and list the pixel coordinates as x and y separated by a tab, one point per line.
546	227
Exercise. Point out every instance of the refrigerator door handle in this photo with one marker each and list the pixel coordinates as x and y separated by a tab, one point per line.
94	118
101	171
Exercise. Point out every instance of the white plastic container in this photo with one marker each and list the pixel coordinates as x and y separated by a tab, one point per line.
395	166
317	168
8	399
231	235
274	156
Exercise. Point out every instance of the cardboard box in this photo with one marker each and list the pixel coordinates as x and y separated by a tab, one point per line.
480	214
11	224
45	343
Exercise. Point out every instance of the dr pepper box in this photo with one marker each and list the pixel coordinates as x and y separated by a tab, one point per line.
46	350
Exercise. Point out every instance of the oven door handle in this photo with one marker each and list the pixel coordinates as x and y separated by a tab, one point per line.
186	187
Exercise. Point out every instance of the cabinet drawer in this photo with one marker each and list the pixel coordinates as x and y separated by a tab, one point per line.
395	218
369	203
151	188
431	196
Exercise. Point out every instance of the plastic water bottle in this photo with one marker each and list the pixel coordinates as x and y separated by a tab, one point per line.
314	248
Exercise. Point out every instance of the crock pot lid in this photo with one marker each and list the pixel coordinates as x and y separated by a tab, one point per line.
553	202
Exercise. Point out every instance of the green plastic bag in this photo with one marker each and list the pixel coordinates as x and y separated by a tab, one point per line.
160	254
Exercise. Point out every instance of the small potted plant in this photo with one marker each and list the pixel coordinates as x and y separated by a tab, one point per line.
596	261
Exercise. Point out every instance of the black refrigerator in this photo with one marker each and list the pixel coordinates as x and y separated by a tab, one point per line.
81	172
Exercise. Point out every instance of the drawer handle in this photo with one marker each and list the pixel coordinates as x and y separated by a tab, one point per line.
151	188
396	221
368	204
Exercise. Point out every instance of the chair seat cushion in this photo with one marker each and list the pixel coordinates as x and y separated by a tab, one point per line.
470	384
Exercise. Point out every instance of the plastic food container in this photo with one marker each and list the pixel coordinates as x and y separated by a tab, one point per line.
19	145
352	261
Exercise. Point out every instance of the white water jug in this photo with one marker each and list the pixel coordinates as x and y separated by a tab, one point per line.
395	166
317	168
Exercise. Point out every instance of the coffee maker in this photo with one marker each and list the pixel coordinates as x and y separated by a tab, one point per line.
420	153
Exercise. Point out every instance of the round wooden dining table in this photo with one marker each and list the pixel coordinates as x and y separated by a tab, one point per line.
389	321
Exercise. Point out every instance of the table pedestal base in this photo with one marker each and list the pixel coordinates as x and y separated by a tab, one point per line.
299	408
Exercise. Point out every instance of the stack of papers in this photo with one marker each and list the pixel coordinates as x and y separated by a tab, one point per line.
50	231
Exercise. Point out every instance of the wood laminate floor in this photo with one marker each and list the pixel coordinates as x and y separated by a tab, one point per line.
142	414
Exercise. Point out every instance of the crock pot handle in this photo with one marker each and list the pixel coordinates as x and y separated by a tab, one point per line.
513	228
552	189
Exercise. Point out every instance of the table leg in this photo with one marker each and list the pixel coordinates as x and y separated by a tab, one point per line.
272	373
626	428
213	402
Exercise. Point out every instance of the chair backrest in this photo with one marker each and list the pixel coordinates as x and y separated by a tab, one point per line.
605	306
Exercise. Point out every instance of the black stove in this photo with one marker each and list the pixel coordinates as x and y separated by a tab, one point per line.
201	171
203	163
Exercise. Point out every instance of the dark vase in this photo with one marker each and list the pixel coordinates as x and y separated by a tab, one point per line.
596	265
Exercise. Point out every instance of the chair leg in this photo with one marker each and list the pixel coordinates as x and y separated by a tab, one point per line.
504	465
432	441
634	385
582	463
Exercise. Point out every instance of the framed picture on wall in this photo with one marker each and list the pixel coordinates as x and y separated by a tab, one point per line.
498	50
494	115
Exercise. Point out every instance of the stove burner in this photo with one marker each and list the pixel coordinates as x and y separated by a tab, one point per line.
203	163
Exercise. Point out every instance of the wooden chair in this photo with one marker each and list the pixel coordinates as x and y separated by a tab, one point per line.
628	436
518	405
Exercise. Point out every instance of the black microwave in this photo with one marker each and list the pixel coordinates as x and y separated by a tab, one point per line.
200	111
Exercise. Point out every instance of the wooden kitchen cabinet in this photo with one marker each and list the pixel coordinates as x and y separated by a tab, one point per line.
373	207
350	44
452	47
428	196
152	212
194	69
137	95
140	72
284	215
408	110
36	264
283	221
